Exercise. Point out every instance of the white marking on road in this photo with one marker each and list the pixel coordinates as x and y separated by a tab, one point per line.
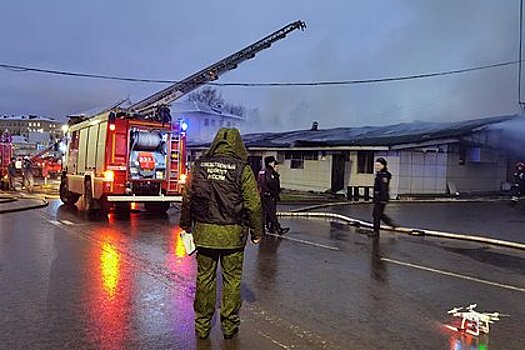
67	222
447	273
303	241
273	340
56	223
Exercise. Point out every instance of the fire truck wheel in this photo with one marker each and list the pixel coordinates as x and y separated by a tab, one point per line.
105	205
122	209
67	197
88	197
157	207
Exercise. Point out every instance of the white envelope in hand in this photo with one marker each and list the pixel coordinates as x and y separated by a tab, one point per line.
187	240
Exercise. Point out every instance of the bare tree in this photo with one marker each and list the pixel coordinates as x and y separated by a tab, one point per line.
208	96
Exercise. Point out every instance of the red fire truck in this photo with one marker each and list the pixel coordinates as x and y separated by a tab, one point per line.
47	163
138	154
6	152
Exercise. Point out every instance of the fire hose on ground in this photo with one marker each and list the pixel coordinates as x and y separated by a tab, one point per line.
405	230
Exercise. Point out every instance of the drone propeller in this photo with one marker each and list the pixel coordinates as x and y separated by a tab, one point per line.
495	314
454	310
472	307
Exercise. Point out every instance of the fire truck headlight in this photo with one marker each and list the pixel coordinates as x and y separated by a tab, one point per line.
182	179
133	170
159	175
109	175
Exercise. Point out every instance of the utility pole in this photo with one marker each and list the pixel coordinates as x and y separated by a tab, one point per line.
520	60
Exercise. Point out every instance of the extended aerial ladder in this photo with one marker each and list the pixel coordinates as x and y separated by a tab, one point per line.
153	103
156	106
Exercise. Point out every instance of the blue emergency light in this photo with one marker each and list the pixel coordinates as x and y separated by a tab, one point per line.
183	125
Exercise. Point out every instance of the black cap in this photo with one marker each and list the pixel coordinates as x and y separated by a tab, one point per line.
269	159
381	161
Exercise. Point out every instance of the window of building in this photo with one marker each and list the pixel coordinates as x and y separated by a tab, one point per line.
365	162
311	155
297	164
206	122
213	123
297	158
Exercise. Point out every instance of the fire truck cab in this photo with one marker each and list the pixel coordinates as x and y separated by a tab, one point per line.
116	158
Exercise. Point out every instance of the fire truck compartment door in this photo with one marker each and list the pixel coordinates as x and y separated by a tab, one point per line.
140	199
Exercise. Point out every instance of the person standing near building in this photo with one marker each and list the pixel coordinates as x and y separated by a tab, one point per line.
221	207
11	174
518	188
28	175
269	183
381	194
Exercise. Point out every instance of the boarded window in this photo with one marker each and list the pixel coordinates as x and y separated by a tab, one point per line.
365	162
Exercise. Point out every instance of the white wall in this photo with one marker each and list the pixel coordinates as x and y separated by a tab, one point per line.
422	172
476	176
316	175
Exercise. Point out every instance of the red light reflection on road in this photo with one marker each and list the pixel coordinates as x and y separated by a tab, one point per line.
180	264
463	341
109	268
177	260
110	292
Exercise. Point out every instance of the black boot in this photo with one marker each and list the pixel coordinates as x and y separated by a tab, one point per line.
283	230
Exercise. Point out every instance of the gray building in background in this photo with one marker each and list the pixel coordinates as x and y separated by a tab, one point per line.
425	158
204	121
26	125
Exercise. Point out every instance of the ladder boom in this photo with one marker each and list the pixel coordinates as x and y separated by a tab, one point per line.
212	72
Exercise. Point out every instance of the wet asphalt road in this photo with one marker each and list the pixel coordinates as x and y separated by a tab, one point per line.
71	282
496	219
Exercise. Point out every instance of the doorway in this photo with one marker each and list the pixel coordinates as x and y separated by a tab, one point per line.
338	172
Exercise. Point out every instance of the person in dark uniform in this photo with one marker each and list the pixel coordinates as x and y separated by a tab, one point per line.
270	188
221	206
381	195
518	188
11	174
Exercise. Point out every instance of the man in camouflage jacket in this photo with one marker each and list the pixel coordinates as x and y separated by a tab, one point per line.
221	207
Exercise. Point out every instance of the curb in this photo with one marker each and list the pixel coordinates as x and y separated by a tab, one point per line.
407	230
4	200
44	203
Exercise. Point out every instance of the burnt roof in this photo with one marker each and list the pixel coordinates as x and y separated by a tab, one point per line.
389	135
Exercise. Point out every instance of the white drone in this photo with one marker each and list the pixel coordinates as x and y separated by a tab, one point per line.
473	322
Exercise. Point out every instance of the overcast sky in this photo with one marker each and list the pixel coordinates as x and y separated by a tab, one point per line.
344	40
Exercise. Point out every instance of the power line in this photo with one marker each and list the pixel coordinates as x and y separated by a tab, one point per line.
271	84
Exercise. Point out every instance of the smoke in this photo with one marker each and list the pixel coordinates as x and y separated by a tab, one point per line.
418	37
510	136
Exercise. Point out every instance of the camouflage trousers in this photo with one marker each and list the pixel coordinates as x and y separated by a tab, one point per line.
231	261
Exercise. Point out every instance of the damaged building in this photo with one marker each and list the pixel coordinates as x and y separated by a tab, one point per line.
424	157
